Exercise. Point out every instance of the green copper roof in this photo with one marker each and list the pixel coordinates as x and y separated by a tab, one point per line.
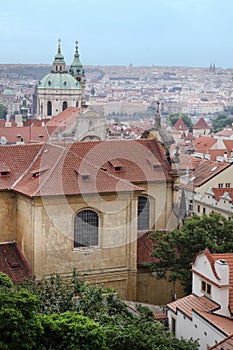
59	58
76	67
58	81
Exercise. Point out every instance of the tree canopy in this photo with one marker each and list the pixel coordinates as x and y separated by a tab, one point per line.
220	121
36	318
175	251
3	111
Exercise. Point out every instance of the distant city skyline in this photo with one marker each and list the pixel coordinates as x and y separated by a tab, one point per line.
193	33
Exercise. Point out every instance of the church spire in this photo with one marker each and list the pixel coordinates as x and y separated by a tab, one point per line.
59	64
157	121
77	71
76	68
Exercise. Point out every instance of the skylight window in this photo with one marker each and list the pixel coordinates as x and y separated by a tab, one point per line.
214	168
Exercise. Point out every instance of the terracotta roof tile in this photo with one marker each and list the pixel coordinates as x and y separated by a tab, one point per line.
18	159
201	124
226	344
180	125
13	263
224	324
207	169
203	144
65	164
218	192
192	302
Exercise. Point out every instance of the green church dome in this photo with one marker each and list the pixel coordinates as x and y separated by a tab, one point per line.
58	81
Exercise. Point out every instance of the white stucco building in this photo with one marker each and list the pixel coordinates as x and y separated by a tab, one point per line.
206	314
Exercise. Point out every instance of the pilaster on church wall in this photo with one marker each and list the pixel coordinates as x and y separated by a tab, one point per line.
25	227
7	216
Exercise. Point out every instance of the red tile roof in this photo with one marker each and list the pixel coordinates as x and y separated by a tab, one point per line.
226	344
27	134
13	263
203	144
222	323
18	158
180	125
66	118
201	124
192	302
207	169
64	167
218	192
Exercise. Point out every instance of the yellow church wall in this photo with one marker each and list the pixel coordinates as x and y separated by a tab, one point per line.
45	233
25	227
162	197
156	291
7	216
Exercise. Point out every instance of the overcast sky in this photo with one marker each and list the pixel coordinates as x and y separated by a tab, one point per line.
192	33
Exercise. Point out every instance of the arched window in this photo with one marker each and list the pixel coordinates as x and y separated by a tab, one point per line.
143	213
49	108
86	227
64	105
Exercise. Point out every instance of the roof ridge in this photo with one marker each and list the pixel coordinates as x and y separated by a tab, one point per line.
50	172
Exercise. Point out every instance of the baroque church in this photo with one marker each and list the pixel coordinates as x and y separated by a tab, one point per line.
61	98
87	204
61	89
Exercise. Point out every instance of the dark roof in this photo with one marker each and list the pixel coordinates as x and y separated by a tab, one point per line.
13	263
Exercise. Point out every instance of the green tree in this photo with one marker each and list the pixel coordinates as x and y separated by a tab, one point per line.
20	325
176	250
91	322
3	111
173	117
5	281
56	295
72	331
139	333
220	121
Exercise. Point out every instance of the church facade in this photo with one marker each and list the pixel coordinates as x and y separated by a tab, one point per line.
84	206
60	89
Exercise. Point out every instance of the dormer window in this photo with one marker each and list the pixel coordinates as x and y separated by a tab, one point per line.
154	163
83	173
4	173
118	167
4	169
38	172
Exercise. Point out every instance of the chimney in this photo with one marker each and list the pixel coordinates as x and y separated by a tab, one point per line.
19	120
225	156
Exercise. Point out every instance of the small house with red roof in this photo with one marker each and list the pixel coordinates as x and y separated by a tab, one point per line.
201	128
179	130
206	314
